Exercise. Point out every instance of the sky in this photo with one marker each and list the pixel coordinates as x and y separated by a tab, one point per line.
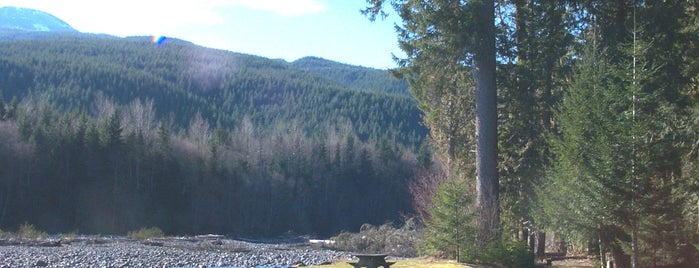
277	29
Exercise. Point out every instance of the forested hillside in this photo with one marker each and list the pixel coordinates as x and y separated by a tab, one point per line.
353	76
184	79
106	135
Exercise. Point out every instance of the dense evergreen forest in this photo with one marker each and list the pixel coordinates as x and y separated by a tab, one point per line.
593	107
224	87
353	76
105	135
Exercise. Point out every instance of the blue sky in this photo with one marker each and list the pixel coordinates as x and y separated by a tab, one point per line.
286	29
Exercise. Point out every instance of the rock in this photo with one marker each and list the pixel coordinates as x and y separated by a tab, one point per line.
164	253
298	264
153	243
50	243
210	237
9	242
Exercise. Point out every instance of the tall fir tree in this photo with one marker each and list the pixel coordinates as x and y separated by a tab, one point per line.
446	43
619	156
534	45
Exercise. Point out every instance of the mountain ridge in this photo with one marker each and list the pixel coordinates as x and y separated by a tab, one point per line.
29	23
359	77
25	19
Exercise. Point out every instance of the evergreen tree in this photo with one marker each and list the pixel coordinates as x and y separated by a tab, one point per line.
533	43
451	226
615	127
575	195
111	135
111	142
11	110
441	38
3	110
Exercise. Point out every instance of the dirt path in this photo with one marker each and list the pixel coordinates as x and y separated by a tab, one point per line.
574	262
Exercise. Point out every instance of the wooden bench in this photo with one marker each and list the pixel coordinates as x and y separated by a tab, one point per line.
371	261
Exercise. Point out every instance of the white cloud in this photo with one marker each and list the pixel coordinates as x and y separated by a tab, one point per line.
147	17
125	17
281	7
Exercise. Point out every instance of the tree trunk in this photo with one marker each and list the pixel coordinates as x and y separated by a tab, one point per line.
602	253
540	244
523	234
634	247
521	31
486	127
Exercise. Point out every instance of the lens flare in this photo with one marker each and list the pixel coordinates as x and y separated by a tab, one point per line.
159	39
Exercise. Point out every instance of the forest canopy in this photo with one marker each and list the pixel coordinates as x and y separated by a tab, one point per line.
596	124
106	135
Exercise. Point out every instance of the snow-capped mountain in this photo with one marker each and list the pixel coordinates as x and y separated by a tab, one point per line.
24	19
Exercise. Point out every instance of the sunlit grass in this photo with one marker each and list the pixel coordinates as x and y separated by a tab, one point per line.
417	262
146	233
28	231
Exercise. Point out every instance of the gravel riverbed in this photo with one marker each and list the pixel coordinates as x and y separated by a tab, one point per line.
170	252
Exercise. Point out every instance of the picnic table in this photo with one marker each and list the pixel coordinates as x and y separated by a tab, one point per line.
371	261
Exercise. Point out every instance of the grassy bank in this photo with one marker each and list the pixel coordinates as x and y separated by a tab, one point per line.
416	262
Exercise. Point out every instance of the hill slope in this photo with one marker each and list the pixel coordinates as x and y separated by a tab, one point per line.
236	144
351	76
184	79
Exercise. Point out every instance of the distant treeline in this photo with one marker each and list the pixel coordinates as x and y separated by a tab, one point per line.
124	170
107	135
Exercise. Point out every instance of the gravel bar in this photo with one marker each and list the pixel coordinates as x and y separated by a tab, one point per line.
172	252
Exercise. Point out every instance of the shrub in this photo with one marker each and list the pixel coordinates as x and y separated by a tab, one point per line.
451	228
146	233
70	235
384	239
28	231
508	253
